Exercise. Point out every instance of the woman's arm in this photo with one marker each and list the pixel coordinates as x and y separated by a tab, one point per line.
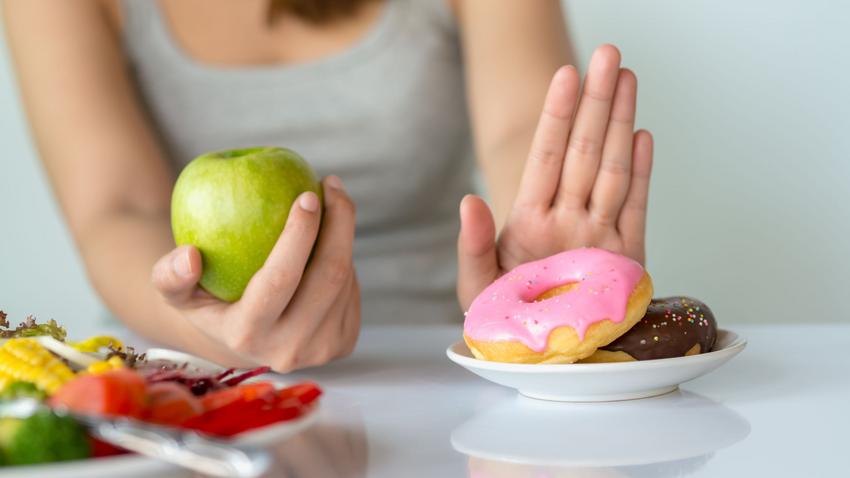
106	168
114	185
511	50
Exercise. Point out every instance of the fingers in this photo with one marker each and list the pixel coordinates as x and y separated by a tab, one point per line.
584	146
612	181
176	275
272	287
330	268
632	222
546	159
477	255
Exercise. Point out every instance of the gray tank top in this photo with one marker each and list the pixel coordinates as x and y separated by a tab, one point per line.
388	115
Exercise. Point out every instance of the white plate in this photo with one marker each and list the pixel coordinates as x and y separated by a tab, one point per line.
600	382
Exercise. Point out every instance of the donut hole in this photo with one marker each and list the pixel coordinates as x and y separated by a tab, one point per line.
555	291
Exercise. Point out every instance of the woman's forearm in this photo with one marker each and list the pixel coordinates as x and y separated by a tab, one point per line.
507	77
107	170
119	250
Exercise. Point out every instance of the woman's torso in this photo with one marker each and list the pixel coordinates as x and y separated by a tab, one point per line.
387	114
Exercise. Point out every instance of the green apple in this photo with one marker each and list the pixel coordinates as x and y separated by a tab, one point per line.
232	205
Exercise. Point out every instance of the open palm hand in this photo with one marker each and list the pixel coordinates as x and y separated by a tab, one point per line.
585	183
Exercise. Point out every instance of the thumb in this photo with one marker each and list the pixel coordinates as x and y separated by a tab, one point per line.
176	274
478	263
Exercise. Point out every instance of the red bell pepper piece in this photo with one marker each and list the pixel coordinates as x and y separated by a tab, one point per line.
247	407
101	449
248	391
303	392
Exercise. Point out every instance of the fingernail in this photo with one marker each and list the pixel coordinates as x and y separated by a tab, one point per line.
334	182
181	266
309	201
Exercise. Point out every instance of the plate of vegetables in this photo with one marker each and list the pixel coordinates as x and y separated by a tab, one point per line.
101	376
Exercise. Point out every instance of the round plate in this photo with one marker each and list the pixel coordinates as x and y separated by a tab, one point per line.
600	382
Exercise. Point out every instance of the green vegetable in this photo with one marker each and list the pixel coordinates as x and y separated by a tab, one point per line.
42	438
29	328
22	389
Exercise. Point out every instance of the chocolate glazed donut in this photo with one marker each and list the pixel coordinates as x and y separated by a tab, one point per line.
672	327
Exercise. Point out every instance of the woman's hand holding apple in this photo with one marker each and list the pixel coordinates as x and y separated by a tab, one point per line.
585	183
290	316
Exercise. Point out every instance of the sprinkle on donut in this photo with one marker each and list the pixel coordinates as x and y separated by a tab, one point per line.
672	327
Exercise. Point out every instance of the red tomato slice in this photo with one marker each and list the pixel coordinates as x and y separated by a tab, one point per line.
171	403
249	391
117	392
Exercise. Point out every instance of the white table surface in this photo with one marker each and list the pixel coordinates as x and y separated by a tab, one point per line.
399	408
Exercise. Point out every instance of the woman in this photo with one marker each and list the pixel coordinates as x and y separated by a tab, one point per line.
122	94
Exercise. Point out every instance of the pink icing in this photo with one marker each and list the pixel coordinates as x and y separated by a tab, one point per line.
506	309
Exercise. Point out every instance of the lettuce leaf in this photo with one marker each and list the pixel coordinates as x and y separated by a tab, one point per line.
29	328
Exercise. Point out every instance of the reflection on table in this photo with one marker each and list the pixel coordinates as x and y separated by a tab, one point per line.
335	446
665	436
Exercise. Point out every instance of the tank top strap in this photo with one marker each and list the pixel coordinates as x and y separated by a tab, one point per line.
139	15
438	12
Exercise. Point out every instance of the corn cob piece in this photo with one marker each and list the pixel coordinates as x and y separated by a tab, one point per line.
113	363
93	344
25	359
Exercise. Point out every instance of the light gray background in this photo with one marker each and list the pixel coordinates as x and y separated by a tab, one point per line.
748	102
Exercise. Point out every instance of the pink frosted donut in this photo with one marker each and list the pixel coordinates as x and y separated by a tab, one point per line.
559	309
